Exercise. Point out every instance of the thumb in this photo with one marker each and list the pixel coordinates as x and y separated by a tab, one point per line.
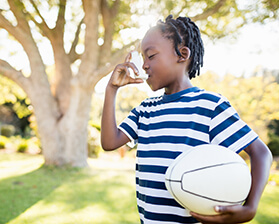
219	209
226	209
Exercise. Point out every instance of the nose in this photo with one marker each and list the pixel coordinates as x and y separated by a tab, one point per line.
145	66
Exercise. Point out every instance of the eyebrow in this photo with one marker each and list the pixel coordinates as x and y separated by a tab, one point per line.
149	48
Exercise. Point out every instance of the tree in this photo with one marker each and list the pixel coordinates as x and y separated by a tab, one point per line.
254	98
15	108
61	102
273	134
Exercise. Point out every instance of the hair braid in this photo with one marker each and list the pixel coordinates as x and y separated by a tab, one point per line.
183	31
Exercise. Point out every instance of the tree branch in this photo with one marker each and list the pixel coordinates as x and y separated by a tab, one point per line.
72	53
90	56
19	11
7	70
108	15
209	11
116	58
5	24
23	35
43	25
60	22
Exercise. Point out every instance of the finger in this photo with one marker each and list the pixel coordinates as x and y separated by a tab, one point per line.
128	57
227	209
119	75
132	66
136	80
208	218
126	75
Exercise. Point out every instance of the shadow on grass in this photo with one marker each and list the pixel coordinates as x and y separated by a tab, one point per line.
19	193
102	196
68	195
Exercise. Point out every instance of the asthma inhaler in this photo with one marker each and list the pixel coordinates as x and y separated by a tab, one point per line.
137	59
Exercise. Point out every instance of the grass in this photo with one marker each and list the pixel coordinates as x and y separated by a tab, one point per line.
104	193
32	193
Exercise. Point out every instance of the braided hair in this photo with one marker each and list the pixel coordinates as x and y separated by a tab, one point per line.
183	31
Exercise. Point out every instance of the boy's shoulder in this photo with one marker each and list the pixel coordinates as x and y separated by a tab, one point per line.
202	94
151	100
196	94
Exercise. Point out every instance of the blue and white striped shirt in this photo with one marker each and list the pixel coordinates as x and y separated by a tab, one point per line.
166	126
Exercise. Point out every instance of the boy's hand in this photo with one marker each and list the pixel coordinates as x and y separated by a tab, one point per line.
227	214
121	74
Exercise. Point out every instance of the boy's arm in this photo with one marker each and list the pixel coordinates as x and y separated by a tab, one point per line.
111	136
261	160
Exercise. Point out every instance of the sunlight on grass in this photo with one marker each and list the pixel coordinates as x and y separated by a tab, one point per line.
18	164
104	193
268	211
106	197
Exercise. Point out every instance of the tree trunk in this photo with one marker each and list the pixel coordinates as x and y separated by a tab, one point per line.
73	126
64	139
62	108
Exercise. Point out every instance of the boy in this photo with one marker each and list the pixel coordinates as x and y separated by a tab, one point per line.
184	117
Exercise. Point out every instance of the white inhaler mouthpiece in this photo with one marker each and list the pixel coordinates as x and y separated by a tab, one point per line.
137	59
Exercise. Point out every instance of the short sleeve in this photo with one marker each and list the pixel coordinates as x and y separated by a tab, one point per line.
129	125
227	129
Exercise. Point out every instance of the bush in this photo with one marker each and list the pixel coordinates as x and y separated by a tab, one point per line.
93	142
273	145
22	146
2	145
8	130
3	142
273	135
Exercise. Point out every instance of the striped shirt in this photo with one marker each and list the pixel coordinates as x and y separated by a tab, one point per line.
166	126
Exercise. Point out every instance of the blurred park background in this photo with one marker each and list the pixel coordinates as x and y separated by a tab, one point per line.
55	60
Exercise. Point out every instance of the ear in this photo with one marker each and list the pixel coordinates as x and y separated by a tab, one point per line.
185	54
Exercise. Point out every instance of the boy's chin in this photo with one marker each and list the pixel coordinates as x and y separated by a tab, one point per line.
154	88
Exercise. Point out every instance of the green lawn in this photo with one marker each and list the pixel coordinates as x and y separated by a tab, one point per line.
101	194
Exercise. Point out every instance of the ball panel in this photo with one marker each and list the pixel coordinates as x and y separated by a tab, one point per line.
206	176
198	157
198	204
222	182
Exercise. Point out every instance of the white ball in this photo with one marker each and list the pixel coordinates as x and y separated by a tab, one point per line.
206	176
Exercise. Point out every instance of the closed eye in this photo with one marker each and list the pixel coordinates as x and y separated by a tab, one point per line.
151	56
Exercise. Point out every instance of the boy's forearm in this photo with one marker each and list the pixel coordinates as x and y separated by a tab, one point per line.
261	160
108	124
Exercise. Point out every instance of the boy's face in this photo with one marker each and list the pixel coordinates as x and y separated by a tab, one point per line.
161	62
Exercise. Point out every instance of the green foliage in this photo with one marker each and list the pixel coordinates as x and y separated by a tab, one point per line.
3	141
22	146
2	144
12	94
19	144
93	142
273	127
95	125
266	9
253	97
15	108
127	98
273	145
7	130
216	19
273	134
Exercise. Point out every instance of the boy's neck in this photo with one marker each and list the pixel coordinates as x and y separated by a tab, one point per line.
184	84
